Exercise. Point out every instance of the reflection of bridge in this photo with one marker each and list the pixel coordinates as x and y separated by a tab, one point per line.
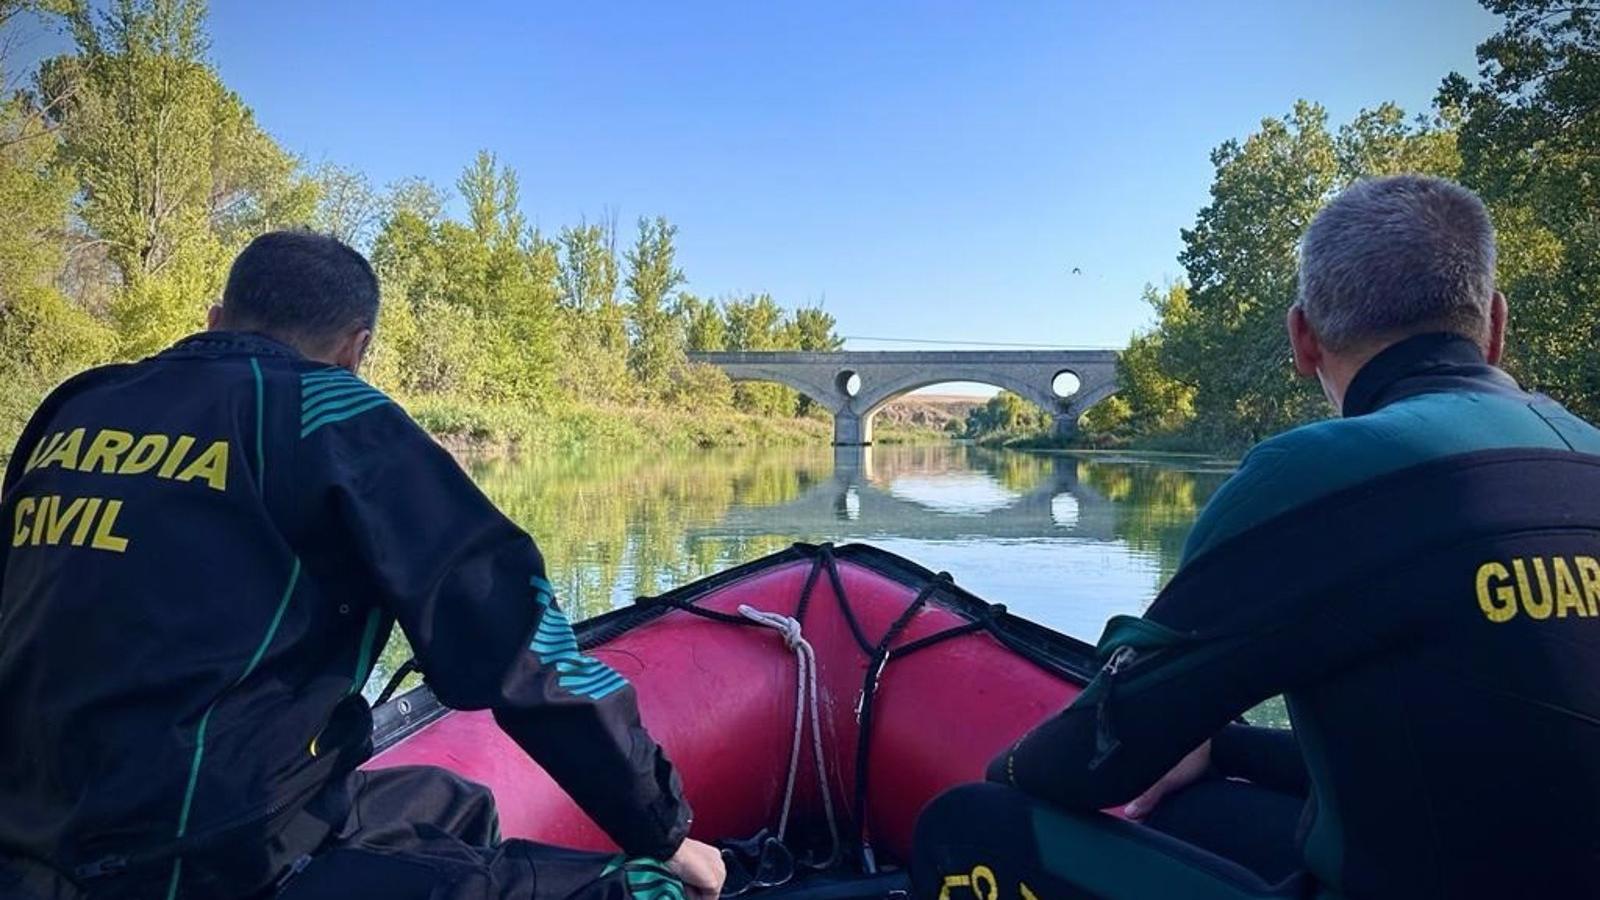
854	505
854	385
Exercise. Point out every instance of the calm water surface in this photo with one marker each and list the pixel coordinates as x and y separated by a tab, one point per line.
1067	540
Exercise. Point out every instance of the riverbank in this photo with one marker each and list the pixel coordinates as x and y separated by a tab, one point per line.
474	430
1177	444
481	430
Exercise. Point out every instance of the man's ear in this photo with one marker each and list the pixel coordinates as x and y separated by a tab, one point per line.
1498	313
214	317
1307	349
352	349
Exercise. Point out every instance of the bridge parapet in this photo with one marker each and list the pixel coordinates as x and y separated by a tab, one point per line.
854	385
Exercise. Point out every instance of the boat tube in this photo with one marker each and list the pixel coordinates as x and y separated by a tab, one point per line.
813	702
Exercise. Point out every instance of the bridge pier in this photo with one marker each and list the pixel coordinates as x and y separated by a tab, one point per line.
1065	425
851	429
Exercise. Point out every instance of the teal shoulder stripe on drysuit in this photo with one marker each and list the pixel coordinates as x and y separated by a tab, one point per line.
313	395
205	720
316	381
261	408
331	418
334	395
337	404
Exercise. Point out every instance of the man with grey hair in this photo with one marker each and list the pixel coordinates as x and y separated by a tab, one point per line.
1419	578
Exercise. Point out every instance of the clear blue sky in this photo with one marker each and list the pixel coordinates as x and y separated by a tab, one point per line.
927	170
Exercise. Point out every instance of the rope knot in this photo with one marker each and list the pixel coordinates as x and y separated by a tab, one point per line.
784	625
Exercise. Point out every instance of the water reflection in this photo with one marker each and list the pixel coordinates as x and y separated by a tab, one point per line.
1065	539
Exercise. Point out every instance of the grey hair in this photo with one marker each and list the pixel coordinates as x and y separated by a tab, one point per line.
1398	256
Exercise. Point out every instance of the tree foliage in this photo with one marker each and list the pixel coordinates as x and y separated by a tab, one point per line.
130	176
1530	144
1525	135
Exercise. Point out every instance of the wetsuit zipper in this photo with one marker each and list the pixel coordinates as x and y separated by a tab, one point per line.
1106	741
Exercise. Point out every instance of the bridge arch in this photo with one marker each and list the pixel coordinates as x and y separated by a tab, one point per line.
886	375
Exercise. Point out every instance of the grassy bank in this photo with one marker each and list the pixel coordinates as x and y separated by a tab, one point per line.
482	429
470	428
1187	444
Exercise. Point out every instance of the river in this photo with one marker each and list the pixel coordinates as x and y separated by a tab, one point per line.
1065	539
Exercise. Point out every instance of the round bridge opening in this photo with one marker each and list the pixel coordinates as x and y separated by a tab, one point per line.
1065	384
849	383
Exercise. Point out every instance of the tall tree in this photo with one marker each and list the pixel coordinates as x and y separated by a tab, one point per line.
657	352
756	322
594	345
811	328
43	333
174	174
1530	144
1240	260
347	206
702	322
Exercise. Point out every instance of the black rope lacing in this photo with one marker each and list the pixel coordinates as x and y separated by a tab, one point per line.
878	654
393	684
879	659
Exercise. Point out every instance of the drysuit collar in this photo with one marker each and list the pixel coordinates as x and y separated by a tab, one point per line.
212	344
1424	364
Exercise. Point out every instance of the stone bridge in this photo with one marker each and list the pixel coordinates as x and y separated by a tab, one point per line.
854	385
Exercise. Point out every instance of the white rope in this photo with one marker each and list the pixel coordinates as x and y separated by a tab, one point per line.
805	697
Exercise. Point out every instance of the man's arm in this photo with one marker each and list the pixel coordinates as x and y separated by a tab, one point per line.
1172	689
469	589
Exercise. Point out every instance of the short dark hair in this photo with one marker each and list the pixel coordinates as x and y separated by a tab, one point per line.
300	286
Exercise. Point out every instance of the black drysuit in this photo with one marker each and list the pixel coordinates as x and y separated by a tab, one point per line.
1421	581
202	553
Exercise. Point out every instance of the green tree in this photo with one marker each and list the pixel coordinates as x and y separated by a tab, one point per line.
756	322
657	352
810	328
704	327
1240	260
1149	401
174	175
594	345
44	335
1224	341
347	206
1006	415
1530	145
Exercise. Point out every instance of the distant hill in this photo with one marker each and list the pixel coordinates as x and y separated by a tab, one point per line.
933	411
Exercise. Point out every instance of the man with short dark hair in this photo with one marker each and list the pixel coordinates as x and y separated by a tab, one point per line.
203	553
1420	579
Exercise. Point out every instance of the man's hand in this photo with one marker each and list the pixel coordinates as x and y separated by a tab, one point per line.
699	866
1188	770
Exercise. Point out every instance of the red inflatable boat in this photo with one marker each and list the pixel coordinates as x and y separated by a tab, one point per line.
845	685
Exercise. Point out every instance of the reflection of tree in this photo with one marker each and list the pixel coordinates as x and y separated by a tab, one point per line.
1155	505
605	523
599	519
612	527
